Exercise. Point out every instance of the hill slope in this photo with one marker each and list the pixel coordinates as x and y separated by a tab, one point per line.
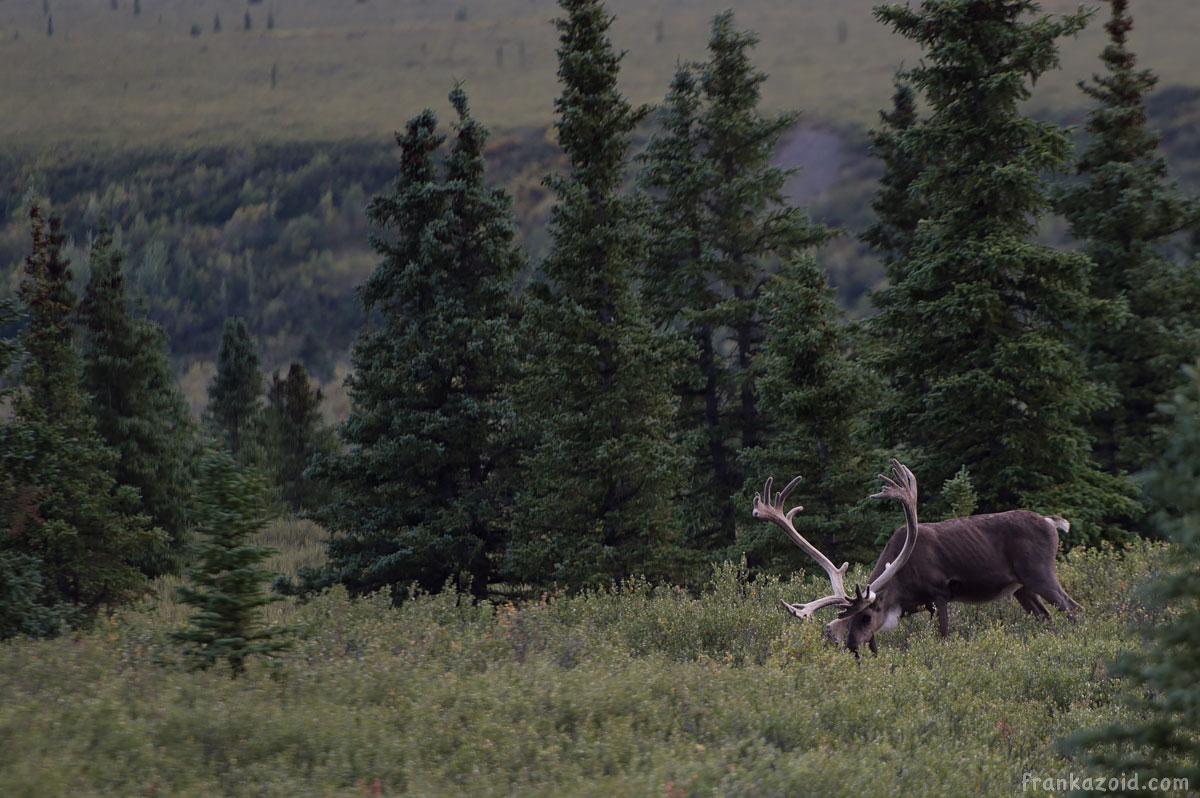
360	69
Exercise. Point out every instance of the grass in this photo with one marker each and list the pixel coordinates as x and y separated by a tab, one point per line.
351	70
636	691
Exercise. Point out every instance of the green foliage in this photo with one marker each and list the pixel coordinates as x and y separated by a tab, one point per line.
293	432
815	397
272	233
898	209
720	222
71	517
1160	736
10	347
140	413
229	594
633	691
429	422
27	606
50	371
24	600
1124	211
235	396
958	495
596	497
980	335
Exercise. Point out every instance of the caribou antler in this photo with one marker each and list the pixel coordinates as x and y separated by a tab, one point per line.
772	510
904	490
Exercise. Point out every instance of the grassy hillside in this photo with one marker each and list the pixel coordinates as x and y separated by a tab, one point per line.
635	692
359	69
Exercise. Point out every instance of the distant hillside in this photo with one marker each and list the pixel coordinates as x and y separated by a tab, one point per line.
334	70
252	230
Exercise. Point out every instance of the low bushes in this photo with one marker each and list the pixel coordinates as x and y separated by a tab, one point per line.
636	691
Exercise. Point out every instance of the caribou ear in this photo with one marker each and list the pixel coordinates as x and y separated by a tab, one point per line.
835	631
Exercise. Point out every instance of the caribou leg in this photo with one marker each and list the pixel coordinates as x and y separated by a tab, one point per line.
943	613
1031	602
1048	588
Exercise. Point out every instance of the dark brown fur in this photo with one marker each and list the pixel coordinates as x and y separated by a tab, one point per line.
973	560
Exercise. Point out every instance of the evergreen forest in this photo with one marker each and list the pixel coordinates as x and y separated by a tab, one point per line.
425	465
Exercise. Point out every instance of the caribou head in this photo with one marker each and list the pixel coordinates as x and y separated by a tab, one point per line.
863	614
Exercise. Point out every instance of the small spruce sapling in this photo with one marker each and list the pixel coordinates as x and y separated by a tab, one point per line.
959	495
228	593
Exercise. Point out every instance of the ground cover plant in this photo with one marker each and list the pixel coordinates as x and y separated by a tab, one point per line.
637	690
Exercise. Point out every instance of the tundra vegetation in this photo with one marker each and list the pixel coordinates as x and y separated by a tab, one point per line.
633	690
523	560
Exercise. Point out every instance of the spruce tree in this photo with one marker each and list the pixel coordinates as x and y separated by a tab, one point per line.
26	603
958	495
18	506
50	371
1160	737
84	534
1123	212
139	410
816	398
720	223
235	396
429	423
293	432
979	335
229	592
10	348
898	209
597	493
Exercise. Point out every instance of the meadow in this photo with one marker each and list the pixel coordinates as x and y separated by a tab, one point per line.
334	70
635	691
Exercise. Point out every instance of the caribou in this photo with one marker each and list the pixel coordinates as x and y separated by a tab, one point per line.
972	560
